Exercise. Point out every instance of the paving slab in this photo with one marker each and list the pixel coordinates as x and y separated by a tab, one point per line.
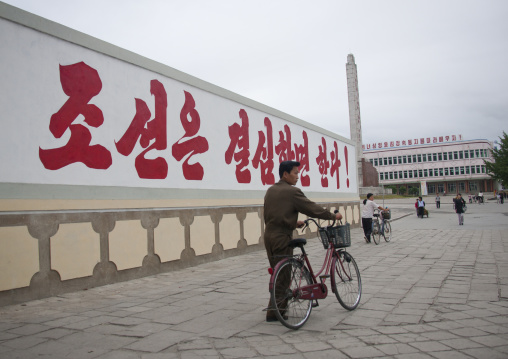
436	290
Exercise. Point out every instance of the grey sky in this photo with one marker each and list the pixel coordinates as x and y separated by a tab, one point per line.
425	68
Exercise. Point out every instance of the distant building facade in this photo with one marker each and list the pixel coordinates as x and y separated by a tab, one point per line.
444	164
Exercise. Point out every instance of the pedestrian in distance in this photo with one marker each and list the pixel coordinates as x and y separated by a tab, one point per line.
416	207
420	207
438	201
369	206
460	208
282	203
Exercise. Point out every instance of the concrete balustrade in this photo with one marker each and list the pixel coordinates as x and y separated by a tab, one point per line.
45	253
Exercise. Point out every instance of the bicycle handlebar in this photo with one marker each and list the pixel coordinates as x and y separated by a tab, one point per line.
317	224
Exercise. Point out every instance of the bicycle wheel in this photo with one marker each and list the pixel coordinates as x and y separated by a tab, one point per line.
346	280
290	309
388	231
376	232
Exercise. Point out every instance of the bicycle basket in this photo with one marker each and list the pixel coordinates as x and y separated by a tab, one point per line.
340	236
387	214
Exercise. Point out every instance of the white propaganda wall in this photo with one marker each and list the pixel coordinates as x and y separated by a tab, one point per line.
74	116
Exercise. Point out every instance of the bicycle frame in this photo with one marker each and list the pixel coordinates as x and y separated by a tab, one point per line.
317	290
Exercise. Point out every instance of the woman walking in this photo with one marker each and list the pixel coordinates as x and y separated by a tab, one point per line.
367	213
460	205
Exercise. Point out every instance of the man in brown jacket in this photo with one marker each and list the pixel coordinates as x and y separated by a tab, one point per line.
283	202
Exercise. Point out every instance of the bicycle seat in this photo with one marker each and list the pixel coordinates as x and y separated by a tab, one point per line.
298	242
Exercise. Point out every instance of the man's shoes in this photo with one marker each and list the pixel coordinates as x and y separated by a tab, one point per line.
270	319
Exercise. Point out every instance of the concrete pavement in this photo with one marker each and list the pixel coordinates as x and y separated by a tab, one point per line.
436	290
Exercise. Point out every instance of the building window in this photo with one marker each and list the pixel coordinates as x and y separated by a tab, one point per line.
431	172
436	173
440	156
419	158
395	175
473	170
445	156
478	169
410	174
400	175
425	173
400	160
483	169
414	158
441	172
415	173
467	170
424	157
466	154
375	162
461	154
471	153
446	171
456	171
385	161
420	173
389	160
440	187
431	188
404	159
434	157
477	152
451	171
455	155
405	174
462	170
451	187
450	156
409	159
473	186
462	187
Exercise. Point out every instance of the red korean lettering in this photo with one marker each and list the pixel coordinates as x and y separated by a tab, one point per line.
409	142
283	149
403	142
193	145
428	139
81	83
454	138
323	163
239	136
335	163
264	154
447	138
380	145
302	156
434	139
440	138
392	144
146	130
397	143
422	141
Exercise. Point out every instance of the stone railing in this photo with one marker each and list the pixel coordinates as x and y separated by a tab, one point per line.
45	253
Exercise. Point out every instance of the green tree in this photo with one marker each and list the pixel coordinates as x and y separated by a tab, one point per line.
413	191
402	190
498	169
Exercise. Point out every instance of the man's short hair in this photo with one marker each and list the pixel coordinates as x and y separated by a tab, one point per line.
287	166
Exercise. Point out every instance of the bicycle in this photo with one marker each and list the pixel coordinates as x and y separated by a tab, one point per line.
294	288
381	226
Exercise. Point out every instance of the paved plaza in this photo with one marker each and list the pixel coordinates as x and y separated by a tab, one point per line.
436	290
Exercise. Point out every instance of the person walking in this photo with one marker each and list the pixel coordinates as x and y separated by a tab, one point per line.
460	206
282	203
368	213
438	201
421	206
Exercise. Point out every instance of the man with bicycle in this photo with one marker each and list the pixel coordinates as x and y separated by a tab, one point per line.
283	201
368	213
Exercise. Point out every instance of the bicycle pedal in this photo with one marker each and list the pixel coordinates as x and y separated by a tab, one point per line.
315	304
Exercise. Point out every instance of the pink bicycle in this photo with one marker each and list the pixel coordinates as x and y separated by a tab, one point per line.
295	289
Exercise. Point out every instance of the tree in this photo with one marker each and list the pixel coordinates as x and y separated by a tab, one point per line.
498	169
402	190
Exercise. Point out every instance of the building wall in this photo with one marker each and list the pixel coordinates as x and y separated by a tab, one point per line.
115	166
370	174
447	167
